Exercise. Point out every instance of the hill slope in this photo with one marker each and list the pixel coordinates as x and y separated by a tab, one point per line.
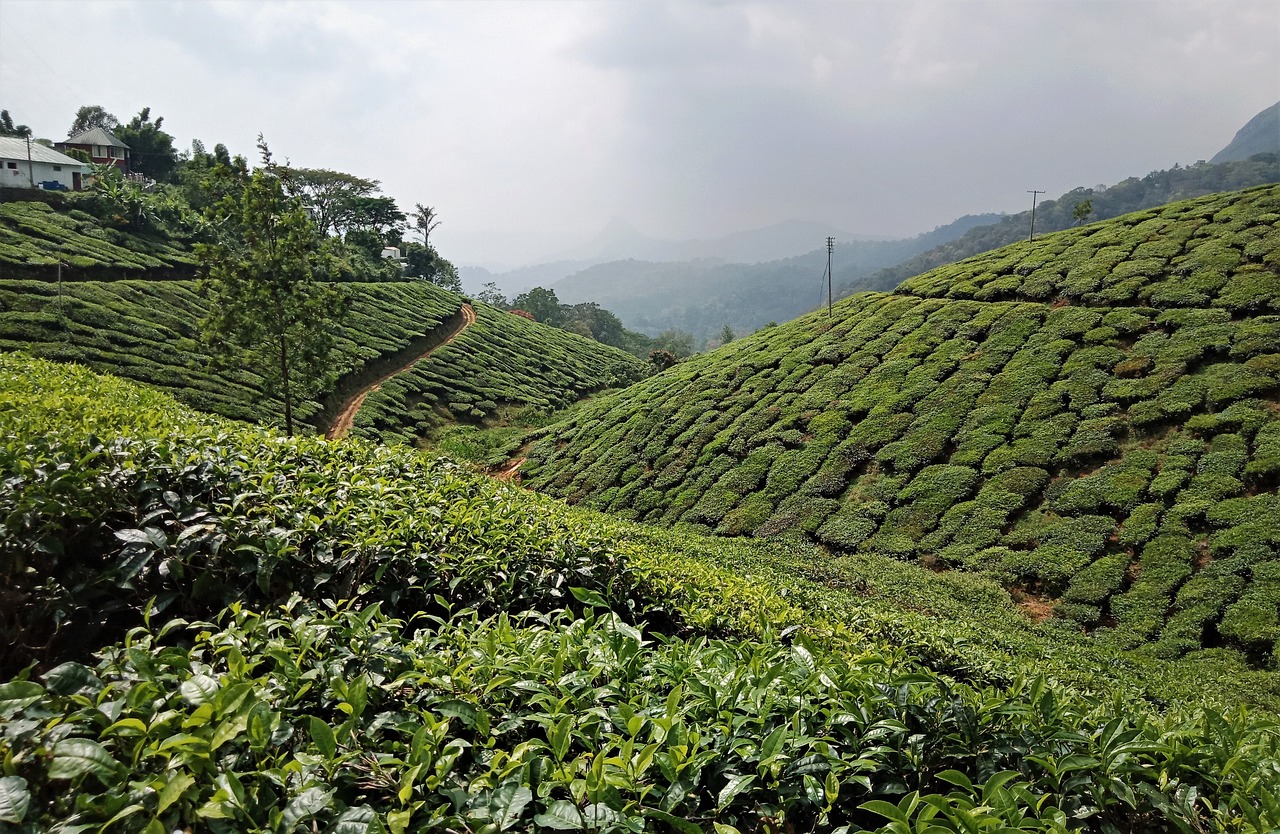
147	330
364	639
1090	418
1133	194
1261	134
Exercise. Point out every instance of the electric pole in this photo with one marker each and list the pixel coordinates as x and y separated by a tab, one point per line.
1033	194
31	174
831	245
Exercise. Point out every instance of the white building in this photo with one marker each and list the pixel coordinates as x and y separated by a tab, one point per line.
35	166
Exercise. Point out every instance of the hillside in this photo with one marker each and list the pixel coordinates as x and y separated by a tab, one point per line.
147	330
36	236
1155	189
1261	134
345	637
1089	419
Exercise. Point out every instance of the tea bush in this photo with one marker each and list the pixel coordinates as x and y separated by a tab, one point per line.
383	641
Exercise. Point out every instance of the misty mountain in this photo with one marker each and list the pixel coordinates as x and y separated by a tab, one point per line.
702	295
515	281
1261	134
620	241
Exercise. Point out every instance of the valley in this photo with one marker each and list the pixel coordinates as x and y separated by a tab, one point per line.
992	549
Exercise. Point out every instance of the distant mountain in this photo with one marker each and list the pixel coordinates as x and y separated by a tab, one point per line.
515	281
1260	135
1133	194
621	241
702	295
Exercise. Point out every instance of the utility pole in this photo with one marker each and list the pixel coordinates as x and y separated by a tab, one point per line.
831	245
31	174
1033	194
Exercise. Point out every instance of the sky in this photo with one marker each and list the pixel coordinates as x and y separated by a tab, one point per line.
529	125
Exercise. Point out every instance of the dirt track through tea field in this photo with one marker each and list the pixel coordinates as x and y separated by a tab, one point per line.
347	414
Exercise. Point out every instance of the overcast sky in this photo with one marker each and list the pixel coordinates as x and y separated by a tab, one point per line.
528	125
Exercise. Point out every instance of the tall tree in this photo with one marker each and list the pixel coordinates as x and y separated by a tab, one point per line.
542	304
425	221
325	193
425	262
8	128
151	150
262	277
91	116
378	215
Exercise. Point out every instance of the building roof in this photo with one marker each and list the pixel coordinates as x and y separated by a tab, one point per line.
12	147
96	136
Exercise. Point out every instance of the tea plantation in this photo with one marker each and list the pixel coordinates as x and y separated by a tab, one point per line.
147	330
35	237
233	631
1090	419
500	360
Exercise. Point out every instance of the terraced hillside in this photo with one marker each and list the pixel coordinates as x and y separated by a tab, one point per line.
227	630
1091	418
147	330
35	237
501	361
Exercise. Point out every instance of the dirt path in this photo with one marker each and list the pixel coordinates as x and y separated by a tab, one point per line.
347	414
510	471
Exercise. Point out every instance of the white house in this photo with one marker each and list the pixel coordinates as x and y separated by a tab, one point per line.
35	166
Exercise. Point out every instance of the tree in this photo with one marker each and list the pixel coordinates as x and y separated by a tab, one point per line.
91	116
542	303
726	335
426	263
490	294
326	194
151	150
677	342
1082	211
660	359
424	220
261	276
8	128
377	215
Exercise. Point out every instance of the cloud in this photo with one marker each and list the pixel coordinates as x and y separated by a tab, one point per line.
529	124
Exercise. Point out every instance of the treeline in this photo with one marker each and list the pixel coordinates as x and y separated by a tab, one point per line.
1079	206
167	193
591	320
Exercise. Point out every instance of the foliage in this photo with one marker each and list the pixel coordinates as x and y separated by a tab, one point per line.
8	128
1133	194
499	363
330	197
425	220
542	304
502	661
426	263
90	116
151	150
34	237
263	277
